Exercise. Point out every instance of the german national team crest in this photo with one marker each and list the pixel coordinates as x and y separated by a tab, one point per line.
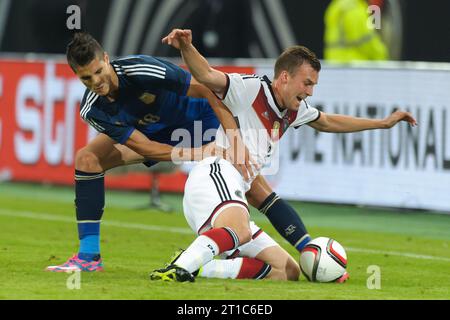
276	130
276	125
147	98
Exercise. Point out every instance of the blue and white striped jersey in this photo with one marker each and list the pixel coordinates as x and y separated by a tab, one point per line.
152	97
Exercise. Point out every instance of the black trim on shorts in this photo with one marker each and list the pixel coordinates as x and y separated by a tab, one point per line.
219	175
219	187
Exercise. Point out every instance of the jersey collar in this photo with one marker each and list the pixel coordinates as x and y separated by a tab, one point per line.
267	85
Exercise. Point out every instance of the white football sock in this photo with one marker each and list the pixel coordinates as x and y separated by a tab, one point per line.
223	269
201	251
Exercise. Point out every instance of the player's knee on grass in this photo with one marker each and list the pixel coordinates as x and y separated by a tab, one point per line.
87	161
284	267
237	219
277	274
292	270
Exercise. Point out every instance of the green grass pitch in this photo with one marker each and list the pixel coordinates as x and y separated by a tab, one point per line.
37	228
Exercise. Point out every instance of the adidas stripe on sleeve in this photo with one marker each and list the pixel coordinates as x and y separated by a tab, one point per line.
101	121
154	73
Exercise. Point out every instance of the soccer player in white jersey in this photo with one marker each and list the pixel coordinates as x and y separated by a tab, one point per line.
222	222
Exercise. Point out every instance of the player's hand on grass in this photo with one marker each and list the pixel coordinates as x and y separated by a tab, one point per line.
178	38
398	116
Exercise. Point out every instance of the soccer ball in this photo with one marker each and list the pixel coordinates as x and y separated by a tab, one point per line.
323	260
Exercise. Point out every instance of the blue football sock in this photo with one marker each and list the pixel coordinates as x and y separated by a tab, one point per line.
89	202
89	247
285	220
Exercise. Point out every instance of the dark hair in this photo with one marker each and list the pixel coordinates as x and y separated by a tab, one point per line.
82	50
294	57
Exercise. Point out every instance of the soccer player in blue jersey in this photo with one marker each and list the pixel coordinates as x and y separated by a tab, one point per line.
136	103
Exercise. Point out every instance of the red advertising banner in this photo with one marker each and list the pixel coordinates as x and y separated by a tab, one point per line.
40	126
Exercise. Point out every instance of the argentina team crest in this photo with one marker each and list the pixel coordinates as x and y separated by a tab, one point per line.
147	98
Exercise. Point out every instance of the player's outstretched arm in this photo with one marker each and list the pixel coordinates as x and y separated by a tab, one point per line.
238	153
214	79
156	151
343	123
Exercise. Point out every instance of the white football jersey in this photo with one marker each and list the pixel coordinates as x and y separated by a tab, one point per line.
262	123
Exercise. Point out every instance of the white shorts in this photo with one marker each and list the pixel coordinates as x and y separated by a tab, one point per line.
213	185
